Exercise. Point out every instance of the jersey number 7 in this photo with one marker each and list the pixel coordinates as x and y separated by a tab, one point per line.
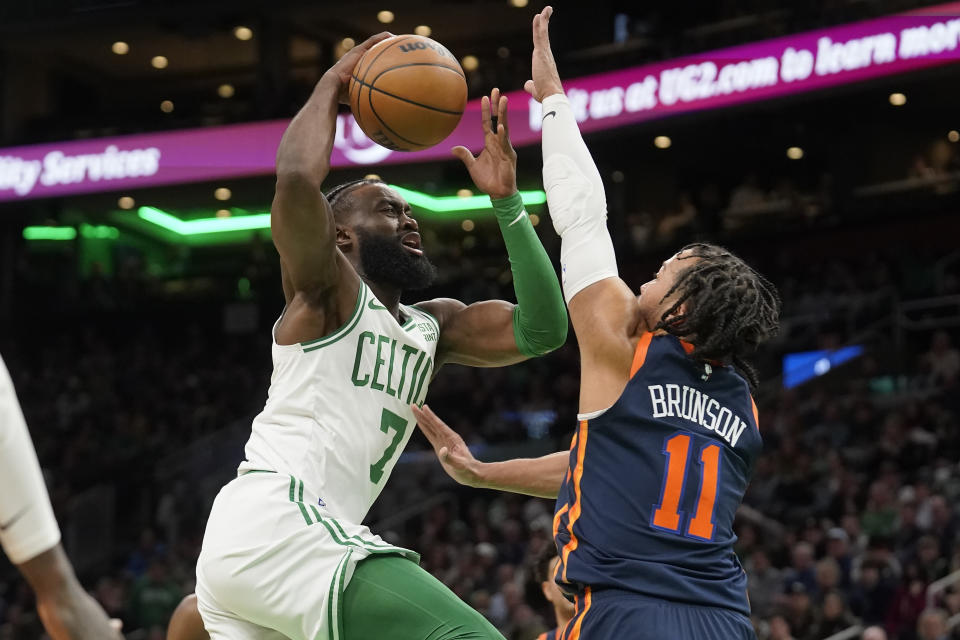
667	514
388	420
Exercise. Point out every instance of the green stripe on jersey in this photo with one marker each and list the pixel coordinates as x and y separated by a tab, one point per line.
347	327
299	503
333	619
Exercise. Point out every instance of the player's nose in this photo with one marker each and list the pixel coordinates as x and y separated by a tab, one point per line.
409	222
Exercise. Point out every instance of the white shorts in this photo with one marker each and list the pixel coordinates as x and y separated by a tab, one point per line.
275	563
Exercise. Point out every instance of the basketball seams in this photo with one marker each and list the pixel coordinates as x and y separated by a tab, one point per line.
371	87
377	57
456	69
384	125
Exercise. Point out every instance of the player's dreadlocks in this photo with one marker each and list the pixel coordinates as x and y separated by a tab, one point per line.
730	308
339	199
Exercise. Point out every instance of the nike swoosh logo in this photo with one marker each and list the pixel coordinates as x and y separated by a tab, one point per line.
9	523
549	113
374	306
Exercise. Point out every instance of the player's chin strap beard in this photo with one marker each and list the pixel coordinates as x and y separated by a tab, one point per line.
384	260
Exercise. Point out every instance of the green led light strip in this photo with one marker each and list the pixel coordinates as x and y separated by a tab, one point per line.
447	204
99	231
204	225
49	233
255	221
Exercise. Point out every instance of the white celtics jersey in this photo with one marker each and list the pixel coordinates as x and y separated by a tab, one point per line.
338	410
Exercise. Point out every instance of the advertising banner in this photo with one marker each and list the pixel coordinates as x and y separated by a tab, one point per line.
737	75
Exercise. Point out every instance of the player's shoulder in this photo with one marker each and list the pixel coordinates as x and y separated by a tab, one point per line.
439	308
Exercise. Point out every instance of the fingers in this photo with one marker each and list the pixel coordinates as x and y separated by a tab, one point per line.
463	154
485	115
541	32
372	40
530	88
503	130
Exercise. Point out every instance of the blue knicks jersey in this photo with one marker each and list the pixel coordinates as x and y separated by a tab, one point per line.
655	482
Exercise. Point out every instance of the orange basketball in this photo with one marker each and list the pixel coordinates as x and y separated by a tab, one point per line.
408	93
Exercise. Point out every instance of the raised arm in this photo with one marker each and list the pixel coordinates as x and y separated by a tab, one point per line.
603	309
495	332
539	477
301	220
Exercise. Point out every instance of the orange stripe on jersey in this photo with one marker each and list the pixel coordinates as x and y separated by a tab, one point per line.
542	636
756	414
640	355
687	346
556	520
587	599
577	507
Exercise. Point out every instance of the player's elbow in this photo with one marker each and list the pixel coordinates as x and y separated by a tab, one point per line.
540	342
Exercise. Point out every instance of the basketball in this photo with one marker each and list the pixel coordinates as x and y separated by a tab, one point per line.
408	93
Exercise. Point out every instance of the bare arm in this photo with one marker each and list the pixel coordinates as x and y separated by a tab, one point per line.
477	335
186	623
66	610
301	220
494	333
539	477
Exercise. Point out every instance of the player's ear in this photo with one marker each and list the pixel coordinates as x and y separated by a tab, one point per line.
345	237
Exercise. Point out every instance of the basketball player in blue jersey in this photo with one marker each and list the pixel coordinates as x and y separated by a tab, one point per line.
668	433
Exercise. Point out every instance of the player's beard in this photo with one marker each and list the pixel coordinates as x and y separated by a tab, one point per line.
384	260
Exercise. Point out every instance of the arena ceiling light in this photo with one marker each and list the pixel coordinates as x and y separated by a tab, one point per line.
255	221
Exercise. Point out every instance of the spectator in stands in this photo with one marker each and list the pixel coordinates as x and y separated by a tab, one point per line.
780	629
838	548
908	601
764	583
799	610
932	625
942	360
802	569
874	633
835	616
154	597
828	578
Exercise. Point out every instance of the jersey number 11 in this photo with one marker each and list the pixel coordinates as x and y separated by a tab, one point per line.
667	514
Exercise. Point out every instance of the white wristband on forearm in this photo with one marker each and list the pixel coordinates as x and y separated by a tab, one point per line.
577	202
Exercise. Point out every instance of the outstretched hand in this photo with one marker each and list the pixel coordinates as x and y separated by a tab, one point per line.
546	78
344	67
450	448
494	171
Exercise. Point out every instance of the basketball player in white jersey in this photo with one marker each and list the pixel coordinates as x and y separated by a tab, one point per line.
285	554
30	536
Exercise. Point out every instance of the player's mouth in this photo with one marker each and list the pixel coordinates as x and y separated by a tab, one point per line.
411	242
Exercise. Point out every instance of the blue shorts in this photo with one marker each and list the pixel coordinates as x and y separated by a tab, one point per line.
610	614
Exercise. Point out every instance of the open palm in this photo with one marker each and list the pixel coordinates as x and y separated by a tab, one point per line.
494	171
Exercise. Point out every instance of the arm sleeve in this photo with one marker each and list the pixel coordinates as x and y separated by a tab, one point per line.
540	318
27	525
576	198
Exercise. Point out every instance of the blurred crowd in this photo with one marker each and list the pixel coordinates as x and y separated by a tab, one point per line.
850	518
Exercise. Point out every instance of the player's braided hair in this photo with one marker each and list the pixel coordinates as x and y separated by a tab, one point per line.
339	199
730	308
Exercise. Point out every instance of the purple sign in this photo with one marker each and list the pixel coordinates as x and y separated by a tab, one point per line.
757	71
